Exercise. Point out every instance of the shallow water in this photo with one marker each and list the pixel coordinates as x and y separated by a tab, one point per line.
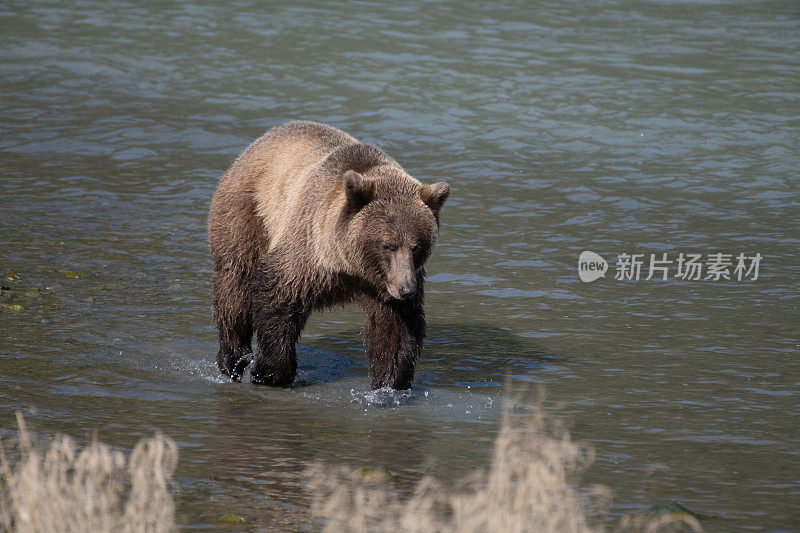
620	127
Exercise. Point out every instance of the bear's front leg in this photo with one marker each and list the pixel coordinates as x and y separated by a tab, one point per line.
232	316
393	334
278	324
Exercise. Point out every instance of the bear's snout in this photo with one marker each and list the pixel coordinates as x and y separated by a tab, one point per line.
402	282
407	289
403	290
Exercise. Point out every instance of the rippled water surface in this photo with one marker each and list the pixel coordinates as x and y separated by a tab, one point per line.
616	127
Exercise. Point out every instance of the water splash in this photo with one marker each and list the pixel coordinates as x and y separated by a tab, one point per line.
384	397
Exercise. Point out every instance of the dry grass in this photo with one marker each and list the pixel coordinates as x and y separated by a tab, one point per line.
529	487
94	489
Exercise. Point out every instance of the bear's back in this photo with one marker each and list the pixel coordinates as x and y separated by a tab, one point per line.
284	154
277	170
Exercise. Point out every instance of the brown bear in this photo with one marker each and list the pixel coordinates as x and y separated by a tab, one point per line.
307	217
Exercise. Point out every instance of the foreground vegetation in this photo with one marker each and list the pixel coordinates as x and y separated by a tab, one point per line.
531	485
95	489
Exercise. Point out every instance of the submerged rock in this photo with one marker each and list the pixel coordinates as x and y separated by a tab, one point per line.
668	507
75	274
234	519
66	274
370	474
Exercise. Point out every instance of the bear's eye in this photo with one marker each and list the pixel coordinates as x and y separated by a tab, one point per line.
416	248
389	247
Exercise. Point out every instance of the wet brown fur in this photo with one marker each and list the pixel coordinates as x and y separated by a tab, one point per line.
307	218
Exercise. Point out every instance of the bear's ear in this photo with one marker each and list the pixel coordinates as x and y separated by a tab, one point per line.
358	190
435	195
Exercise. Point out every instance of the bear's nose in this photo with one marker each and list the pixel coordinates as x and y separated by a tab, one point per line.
407	289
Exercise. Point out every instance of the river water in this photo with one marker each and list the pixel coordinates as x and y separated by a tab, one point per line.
617	127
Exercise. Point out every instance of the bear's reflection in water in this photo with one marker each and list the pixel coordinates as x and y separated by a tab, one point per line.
266	437
263	462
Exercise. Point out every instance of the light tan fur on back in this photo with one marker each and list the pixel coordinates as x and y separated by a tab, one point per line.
281	180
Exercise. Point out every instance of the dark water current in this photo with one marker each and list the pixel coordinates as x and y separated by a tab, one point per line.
614	127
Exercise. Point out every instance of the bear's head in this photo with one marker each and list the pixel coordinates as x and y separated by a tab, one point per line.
390	227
